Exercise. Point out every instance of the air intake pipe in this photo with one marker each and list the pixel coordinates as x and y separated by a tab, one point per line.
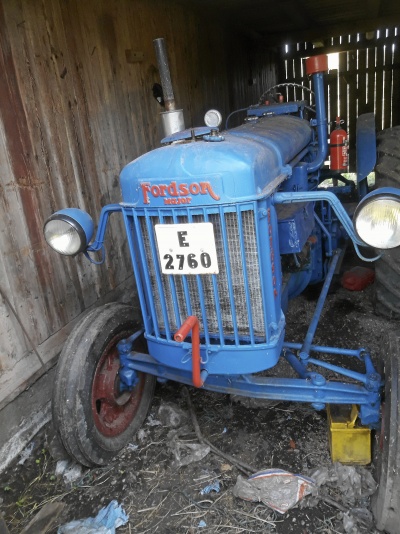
172	118
316	66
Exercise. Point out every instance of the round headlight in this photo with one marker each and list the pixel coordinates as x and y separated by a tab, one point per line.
68	231
377	219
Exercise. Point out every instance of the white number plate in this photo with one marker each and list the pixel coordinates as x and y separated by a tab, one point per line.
187	248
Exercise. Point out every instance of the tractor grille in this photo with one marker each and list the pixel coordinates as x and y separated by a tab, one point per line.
228	305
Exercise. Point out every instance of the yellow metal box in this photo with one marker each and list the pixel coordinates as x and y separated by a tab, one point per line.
349	442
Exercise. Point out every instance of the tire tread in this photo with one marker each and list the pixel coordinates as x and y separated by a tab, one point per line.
70	381
387	268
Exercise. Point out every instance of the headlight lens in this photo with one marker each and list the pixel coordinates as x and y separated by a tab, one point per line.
68	231
377	221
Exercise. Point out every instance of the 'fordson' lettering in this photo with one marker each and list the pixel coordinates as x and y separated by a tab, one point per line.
175	193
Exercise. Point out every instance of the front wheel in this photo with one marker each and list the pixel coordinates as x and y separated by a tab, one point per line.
92	417
386	500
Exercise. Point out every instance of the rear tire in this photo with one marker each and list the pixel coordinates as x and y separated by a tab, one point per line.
387	269
93	419
386	446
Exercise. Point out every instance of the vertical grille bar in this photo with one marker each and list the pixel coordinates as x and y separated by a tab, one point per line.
220	282
160	281
129	223
217	307
172	286
261	278
255	280
245	273
203	309
153	277
229	275
148	275
145	274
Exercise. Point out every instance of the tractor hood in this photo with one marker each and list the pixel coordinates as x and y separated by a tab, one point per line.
244	163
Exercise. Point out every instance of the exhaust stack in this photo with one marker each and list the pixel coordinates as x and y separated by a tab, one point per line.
172	118
316	66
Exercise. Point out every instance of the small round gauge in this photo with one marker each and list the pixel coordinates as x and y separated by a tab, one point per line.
213	118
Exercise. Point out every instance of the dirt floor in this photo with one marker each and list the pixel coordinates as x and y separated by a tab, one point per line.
161	497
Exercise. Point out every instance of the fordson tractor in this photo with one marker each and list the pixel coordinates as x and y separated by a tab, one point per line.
224	228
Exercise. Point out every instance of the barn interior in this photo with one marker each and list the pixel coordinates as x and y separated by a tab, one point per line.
77	104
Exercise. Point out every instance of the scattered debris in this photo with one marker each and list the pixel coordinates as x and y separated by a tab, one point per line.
26	453
171	415
132	447
72	473
354	482
61	467
225	467
355	516
107	520
215	486
150	421
142	434
353	486
348	522
278	489
185	453
202	524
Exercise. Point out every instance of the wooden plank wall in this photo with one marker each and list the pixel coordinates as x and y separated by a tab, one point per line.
367	78
74	109
250	82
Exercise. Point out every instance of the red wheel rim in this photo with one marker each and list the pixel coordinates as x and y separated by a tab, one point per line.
112	410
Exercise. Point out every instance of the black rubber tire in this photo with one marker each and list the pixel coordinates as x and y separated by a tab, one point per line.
387	269
386	445
91	341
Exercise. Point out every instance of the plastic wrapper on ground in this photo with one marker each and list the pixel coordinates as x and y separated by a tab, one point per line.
185	453
354	483
107	521
276	488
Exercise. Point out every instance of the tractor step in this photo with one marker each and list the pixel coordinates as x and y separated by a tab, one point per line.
349	442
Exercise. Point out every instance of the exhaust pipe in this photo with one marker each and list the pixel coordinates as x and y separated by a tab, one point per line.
172	118
316	66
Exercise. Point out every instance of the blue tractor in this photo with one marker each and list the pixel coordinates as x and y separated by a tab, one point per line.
224	228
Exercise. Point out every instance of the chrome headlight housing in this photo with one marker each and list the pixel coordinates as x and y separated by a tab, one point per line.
377	218
69	231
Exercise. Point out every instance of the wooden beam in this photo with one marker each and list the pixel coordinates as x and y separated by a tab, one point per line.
317	32
362	44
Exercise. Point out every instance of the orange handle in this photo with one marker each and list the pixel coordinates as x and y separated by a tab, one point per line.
192	324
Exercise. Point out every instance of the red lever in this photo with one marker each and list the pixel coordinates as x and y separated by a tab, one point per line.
192	324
